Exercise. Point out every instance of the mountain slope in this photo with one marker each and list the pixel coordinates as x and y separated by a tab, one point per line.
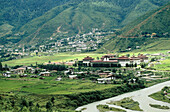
44	19
141	32
16	13
156	21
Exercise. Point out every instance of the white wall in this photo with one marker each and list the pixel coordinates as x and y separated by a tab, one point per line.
136	61
123	63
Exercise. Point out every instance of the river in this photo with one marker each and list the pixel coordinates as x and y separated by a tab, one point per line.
140	96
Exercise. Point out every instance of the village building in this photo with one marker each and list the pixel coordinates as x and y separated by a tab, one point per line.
101	63
123	60
33	76
45	74
135	60
72	76
104	80
7	74
113	61
20	70
107	57
87	60
103	75
24	75
59	79
143	58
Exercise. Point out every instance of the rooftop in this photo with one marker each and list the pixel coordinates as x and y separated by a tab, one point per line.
101	61
123	58
88	58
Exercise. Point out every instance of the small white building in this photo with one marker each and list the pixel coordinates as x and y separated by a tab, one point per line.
104	80
72	76
7	74
59	79
45	74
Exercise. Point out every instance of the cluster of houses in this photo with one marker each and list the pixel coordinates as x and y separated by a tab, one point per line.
21	71
78	43
111	60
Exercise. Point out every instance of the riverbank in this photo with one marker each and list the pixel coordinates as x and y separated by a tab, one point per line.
140	96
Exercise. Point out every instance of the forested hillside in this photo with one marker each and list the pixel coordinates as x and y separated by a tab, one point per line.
153	24
148	32
38	20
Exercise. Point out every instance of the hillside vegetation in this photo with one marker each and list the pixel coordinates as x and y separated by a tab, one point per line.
148	32
40	20
155	23
144	44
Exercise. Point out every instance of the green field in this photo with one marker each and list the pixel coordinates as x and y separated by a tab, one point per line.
127	103
106	108
62	57
158	96
159	106
165	65
49	86
41	91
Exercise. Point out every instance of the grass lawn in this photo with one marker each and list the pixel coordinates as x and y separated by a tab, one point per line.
127	103
106	108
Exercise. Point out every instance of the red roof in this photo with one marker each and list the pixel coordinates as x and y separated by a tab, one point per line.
108	56
88	58
134	58
20	69
141	56
102	73
101	61
123	58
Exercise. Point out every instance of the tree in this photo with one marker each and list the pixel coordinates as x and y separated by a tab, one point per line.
48	105
1	66
37	105
52	100
128	55
24	103
31	103
36	53
6	67
12	103
127	65
24	109
36	71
